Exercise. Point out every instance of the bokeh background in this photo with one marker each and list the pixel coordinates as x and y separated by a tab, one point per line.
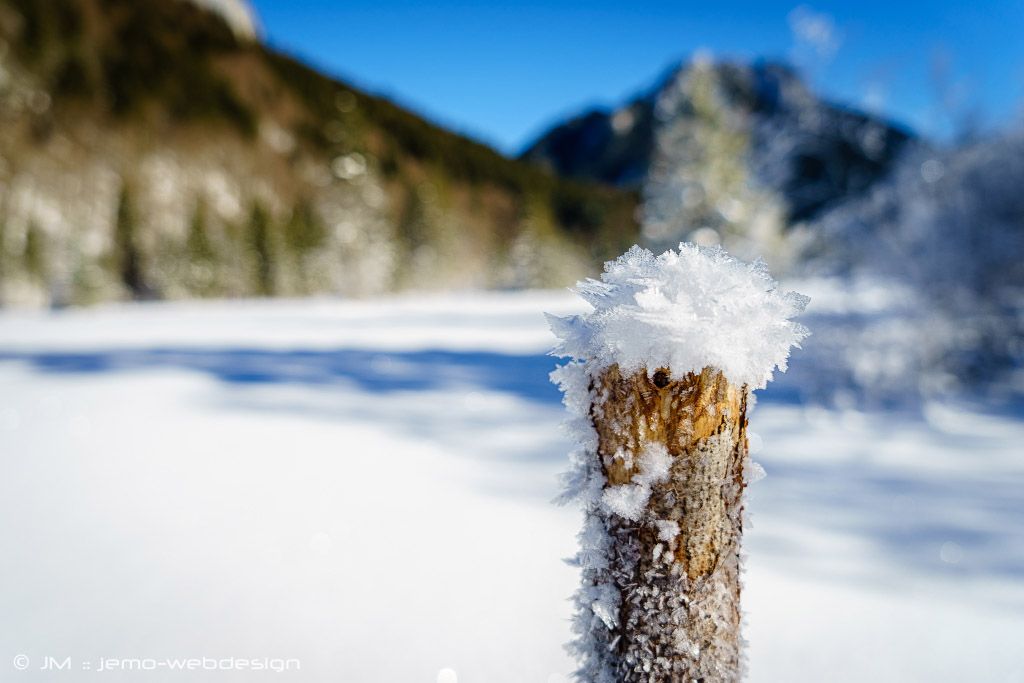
273	380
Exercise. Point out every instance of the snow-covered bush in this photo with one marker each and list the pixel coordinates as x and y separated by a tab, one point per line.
947	228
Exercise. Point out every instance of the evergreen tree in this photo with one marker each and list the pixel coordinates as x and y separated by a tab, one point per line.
34	256
4	274
413	224
200	255
198	244
260	247
128	260
304	232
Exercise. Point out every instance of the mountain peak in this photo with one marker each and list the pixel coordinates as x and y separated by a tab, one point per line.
807	150
239	15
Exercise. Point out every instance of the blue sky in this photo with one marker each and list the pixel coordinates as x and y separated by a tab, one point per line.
504	72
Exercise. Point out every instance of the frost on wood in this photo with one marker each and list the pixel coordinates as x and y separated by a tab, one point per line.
658	384
685	310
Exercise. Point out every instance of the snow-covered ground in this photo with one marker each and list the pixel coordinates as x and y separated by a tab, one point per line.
365	487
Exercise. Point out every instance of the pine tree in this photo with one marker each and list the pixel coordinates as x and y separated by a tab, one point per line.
261	250
35	253
200	256
127	257
304	231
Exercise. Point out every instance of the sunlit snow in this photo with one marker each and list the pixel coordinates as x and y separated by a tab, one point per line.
366	487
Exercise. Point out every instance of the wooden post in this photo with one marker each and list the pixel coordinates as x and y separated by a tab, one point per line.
677	567
658	384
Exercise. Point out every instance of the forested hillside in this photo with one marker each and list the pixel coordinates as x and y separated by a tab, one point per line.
146	150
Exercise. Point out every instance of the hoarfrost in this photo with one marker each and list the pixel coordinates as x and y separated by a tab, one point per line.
684	310
654	465
755	472
630	500
627	501
606	606
667	530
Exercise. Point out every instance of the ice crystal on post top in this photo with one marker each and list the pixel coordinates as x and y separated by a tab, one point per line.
685	310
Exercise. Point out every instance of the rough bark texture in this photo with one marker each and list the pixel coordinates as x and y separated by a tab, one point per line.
677	569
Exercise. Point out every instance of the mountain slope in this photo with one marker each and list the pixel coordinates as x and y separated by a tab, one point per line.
146	150
740	152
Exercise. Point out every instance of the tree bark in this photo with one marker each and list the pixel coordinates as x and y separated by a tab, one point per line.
676	569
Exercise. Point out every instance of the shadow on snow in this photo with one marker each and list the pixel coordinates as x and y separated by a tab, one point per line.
906	517
525	376
522	375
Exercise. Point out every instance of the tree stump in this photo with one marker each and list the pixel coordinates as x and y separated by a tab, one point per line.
658	382
677	566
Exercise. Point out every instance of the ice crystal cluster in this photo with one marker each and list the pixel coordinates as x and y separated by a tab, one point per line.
683	310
